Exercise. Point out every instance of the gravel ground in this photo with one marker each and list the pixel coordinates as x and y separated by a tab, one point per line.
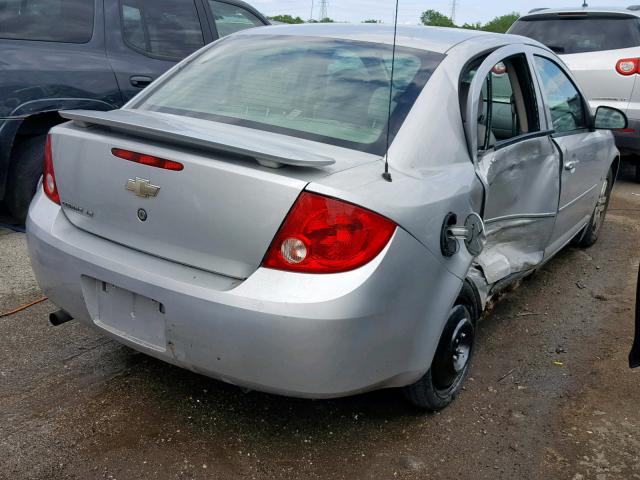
550	395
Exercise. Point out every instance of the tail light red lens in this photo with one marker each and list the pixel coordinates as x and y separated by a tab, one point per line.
628	66
325	235
147	159
48	176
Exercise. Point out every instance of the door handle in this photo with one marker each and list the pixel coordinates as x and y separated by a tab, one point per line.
140	81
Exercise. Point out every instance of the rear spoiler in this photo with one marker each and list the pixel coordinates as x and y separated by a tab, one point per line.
548	13
268	149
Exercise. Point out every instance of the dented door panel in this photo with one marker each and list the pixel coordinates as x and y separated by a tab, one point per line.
522	189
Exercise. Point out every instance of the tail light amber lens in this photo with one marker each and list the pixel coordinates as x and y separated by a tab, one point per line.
48	175
325	235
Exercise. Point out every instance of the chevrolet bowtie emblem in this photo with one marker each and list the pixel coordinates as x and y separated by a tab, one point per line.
142	187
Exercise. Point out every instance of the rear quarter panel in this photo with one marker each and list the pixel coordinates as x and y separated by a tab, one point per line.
430	165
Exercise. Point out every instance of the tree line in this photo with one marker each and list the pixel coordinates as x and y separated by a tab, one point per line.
431	18
499	24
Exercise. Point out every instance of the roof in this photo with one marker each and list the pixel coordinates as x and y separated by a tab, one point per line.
435	39
589	10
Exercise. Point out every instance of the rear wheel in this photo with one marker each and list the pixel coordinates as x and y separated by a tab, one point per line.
592	230
24	173
638	171
451	363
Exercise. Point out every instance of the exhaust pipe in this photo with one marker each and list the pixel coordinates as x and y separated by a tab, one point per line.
59	317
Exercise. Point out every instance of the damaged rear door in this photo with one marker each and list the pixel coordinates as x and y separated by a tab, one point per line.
516	161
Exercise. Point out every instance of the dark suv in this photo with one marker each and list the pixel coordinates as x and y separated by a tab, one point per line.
90	54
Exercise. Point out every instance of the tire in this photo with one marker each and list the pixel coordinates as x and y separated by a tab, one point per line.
638	171
24	173
445	378
592	230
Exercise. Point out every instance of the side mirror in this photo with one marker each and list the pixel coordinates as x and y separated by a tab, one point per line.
609	118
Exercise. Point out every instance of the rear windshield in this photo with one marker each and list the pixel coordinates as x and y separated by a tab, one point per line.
580	34
69	21
328	90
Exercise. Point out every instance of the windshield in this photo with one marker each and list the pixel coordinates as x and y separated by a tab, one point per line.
323	89
581	34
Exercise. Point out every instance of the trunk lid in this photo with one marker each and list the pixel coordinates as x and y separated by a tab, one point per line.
220	213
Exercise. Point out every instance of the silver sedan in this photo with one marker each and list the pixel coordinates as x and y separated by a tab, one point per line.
282	212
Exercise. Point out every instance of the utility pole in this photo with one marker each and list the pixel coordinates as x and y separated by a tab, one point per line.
453	11
323	9
311	16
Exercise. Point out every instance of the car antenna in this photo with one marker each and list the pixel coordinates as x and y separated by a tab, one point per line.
386	175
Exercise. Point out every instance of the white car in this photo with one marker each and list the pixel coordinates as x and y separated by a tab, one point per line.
601	46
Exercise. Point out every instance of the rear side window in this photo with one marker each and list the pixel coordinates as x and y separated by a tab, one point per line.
232	18
580	34
327	90
507	108
67	21
162	28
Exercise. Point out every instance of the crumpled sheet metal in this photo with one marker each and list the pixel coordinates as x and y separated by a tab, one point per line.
513	246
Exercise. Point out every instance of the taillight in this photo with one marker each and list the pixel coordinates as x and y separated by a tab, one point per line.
628	66
146	159
48	175
325	235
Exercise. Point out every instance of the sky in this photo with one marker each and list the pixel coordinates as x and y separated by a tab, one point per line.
467	11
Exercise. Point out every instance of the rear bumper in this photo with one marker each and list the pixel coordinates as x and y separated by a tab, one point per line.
301	335
629	142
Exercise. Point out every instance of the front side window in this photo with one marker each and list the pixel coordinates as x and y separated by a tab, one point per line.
163	28
328	90
232	18
563	99
66	21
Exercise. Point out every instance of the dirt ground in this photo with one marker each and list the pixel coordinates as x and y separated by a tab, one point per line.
550	395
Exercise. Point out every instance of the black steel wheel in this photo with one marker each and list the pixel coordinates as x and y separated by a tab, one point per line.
452	360
453	356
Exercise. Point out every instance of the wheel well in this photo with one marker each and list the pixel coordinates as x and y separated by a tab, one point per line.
471	293
36	125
